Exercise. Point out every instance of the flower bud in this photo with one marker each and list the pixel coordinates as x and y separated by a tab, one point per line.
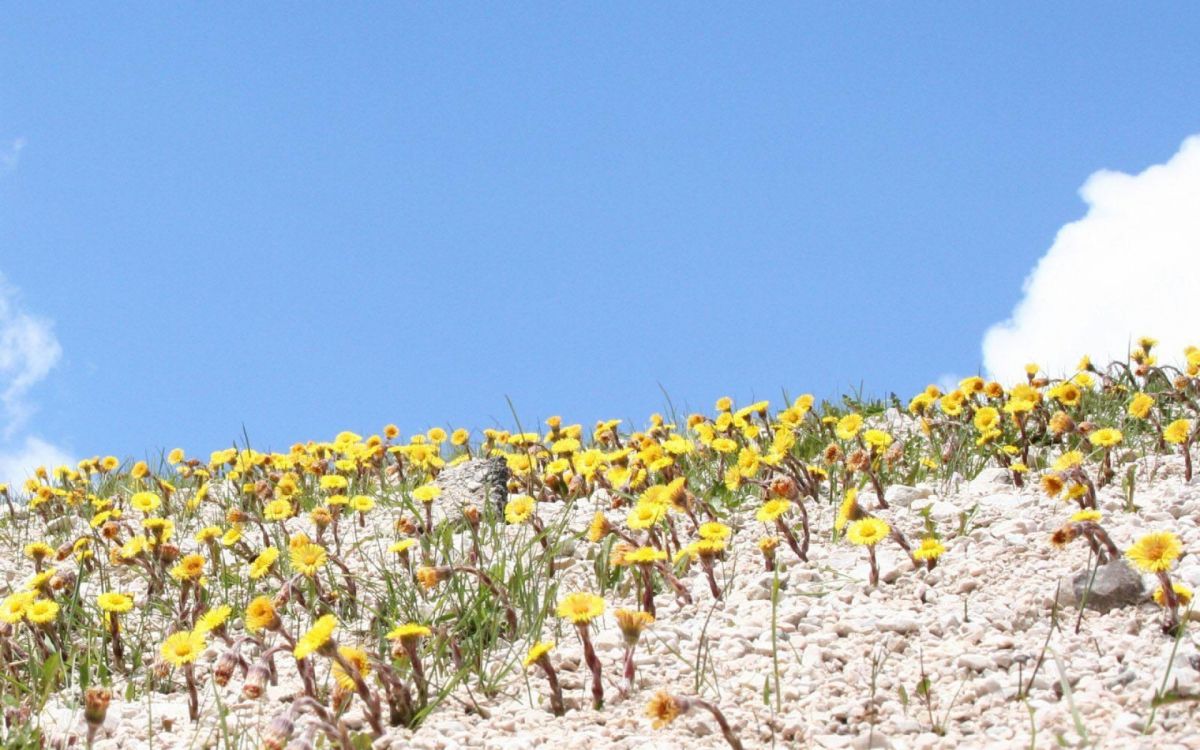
95	705
223	670
256	681
277	733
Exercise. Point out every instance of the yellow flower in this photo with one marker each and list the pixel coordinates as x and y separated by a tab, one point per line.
645	515
316	637
1178	431
1052	484
847	509
645	555
986	419
260	613
581	607
189	568
232	535
278	510
401	546
146	502
357	659
724	445
308	558
429	577
112	601
1068	460
42	611
1140	405
519	509
714	530
537	651
409	632
262	564
140	470
848	426
868	531
662	709
361	503
773	509
1086	516
632	623
1105	437
599	527
1068	394
920	403
334	482
213	618
1155	552
38	550
182	647
427	493
14	606
1182	593
877	439
207	534
929	549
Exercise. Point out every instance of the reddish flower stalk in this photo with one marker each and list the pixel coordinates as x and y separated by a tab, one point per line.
593	662
556	699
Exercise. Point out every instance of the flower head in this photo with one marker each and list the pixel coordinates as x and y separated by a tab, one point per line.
213	618
581	607
645	555
113	601
773	509
929	549
409	632
42	611
519	509
358	661
182	647
1183	595
261	565
1177	432
308	558
537	652
868	531
1155	552
663	709
1105	437
317	637
261	614
848	426
632	623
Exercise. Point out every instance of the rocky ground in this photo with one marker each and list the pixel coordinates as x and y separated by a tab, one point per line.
848	659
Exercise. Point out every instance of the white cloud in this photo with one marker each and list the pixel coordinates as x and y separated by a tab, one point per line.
1130	267
11	155
19	462
29	350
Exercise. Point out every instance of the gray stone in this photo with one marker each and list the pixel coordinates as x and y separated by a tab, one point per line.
989	479
1116	585
902	495
477	481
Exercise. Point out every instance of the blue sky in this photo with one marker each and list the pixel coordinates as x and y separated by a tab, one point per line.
303	219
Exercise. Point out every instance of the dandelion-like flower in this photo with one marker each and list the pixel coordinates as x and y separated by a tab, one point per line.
316	638
182	647
308	558
1155	552
662	709
868	531
580	607
773	509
